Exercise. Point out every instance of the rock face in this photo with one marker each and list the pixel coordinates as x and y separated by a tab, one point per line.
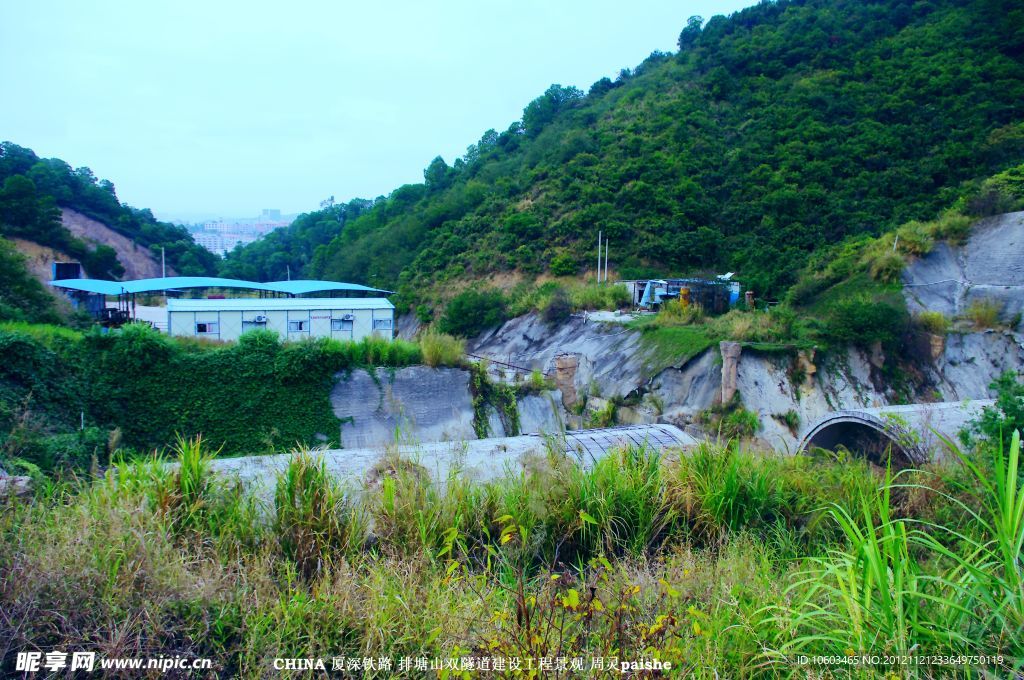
971	361
988	267
790	391
609	357
421	404
681	393
541	413
415	403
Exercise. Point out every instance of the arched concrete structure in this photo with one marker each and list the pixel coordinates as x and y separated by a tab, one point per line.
479	460
910	432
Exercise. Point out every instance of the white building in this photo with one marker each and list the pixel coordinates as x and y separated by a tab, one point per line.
343	318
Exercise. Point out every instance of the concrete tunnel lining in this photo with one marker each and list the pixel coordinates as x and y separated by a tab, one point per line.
864	437
913	433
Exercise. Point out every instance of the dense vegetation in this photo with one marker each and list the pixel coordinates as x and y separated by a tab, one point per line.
289	250
34	188
68	397
723	563
771	133
22	296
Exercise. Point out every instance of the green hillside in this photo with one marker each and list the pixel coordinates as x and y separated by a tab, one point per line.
771	133
32	189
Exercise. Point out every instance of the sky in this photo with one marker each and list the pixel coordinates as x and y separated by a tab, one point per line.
208	109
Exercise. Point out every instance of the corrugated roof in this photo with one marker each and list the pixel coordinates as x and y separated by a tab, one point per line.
302	287
271	304
177	282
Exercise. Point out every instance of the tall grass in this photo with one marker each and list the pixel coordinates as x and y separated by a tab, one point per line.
902	586
723	561
439	349
984	314
932	322
315	521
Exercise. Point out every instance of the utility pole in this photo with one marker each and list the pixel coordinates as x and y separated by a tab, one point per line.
163	263
605	260
599	257
288	268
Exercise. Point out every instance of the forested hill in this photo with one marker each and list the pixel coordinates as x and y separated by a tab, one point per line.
772	132
32	190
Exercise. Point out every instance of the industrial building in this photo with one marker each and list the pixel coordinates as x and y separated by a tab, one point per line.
197	306
291	318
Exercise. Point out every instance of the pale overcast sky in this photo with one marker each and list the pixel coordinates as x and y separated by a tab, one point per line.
208	108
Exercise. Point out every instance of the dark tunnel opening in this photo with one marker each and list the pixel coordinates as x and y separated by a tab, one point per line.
862	440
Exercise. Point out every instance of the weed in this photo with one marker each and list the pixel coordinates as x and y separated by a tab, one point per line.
439	349
984	313
932	322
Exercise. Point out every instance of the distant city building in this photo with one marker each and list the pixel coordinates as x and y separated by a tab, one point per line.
221	236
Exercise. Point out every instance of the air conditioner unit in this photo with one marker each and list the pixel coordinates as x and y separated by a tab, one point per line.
259	319
348	317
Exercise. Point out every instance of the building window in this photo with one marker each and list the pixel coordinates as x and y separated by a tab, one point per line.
382	324
296	326
341	324
206	328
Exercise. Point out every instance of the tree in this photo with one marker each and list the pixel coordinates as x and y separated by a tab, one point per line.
564	264
19	204
473	311
22	297
437	176
102	263
689	35
542	110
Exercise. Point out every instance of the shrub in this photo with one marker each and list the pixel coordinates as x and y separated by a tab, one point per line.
557	308
721	489
740	423
862	320
439	349
473	311
932	322
999	421
791	419
592	296
563	265
538	382
807	288
401	353
952	226
915	239
886	267
984	313
679	313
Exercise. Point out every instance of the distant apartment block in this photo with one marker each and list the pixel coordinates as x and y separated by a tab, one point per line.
221	236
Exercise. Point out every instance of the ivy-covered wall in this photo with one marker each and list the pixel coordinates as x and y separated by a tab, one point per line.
254	396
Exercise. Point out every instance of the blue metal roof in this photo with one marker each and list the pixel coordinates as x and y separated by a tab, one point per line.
302	287
177	282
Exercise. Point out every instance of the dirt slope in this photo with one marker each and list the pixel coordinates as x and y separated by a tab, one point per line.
138	262
38	260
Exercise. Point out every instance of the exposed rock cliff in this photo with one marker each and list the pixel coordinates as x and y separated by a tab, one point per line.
990	266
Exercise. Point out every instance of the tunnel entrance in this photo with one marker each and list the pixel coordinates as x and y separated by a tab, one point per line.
866	440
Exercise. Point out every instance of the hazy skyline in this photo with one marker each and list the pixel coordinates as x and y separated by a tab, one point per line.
221	109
